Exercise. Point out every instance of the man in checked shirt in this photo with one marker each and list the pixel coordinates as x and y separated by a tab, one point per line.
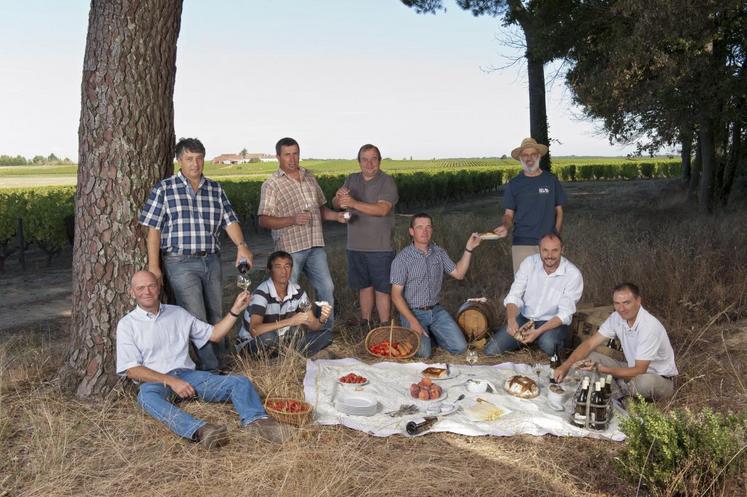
291	204
184	215
416	277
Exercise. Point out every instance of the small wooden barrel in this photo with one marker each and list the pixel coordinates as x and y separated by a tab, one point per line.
476	319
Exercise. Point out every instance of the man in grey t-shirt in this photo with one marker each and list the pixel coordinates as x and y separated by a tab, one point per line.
369	197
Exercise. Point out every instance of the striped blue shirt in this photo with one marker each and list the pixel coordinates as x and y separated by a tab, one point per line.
421	274
189	221
266	303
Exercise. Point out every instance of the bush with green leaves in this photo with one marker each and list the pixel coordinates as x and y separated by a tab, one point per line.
681	453
45	220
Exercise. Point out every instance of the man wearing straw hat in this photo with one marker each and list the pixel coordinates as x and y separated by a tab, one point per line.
533	202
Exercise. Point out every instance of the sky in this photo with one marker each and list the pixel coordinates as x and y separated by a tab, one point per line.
334	74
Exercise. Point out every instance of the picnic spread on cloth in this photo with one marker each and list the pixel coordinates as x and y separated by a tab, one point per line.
472	400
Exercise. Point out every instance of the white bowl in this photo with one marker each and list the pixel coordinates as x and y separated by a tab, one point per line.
357	404
479	386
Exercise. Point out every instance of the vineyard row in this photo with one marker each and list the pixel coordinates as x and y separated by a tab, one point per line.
46	214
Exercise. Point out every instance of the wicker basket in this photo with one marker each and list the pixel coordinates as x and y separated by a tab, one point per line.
291	418
393	334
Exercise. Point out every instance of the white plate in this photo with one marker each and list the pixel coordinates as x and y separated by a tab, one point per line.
453	373
443	409
352	384
357	404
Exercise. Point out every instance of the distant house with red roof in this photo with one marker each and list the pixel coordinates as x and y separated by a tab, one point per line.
242	158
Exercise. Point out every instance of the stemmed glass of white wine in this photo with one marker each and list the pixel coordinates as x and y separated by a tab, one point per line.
471	356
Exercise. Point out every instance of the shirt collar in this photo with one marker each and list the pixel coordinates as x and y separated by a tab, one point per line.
562	267
292	290
142	312
186	181
280	173
427	252
637	321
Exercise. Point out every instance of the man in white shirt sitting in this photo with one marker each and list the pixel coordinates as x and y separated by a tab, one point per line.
649	367
153	350
545	291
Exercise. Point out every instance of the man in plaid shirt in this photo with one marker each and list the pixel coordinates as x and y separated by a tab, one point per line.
416	277
184	215
292	206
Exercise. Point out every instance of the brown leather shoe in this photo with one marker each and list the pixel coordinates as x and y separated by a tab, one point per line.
211	435
270	430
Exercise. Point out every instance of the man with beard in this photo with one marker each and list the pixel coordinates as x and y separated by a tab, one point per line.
545	291
533	202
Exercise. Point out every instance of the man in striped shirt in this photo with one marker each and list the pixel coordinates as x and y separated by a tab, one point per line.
184	215
417	275
291	204
281	314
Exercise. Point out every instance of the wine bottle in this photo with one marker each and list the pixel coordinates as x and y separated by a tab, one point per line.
554	363
598	411
243	266
579	415
414	428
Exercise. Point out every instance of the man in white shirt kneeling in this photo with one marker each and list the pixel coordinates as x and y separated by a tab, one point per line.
153	350
648	369
545	291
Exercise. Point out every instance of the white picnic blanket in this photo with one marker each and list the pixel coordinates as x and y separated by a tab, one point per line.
389	382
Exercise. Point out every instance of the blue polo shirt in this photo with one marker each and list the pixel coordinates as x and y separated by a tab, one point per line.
533	200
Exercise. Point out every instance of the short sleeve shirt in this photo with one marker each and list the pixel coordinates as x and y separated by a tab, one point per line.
646	340
159	341
533	200
421	274
283	196
371	233
189	221
266	303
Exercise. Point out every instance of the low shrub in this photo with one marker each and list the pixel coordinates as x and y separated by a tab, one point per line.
681	452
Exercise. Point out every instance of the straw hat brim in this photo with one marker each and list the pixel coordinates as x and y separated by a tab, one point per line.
542	149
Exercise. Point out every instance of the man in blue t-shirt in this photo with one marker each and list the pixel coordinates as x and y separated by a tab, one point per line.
533	203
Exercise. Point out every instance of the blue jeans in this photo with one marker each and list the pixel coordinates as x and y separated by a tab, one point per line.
439	324
155	399
305	341
502	342
313	263
198	287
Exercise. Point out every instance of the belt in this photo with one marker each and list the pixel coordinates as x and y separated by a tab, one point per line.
426	308
202	253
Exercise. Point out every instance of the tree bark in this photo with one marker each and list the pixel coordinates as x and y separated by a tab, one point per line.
537	104
686	140
126	144
535	77
695	169
708	164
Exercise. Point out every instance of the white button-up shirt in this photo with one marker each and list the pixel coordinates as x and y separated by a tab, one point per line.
159	341
646	340
541	296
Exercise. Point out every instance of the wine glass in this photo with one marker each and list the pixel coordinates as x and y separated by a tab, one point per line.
471	356
243	281
304	304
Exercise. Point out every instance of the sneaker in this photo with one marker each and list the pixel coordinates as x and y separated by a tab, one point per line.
270	430
211	435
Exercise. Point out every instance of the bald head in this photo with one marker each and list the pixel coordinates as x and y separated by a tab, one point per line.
146	291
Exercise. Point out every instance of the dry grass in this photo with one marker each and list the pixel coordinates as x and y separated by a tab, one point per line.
689	267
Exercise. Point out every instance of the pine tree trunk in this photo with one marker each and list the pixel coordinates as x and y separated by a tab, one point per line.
537	105
686	140
126	143
708	164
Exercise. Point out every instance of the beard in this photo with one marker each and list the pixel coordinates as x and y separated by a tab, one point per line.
529	168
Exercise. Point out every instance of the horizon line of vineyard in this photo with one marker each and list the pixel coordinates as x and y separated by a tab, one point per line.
47	212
